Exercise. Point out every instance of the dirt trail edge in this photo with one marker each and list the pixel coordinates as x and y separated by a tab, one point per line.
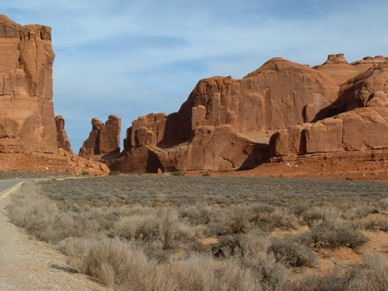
26	264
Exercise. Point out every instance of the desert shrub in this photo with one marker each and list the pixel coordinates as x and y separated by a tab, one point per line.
117	263
178	173
112	261
160	225
196	214
201	272
268	218
372	276
41	217
256	256
376	223
333	234
114	173
227	247
144	227
318	213
206	174
290	252
336	280
359	211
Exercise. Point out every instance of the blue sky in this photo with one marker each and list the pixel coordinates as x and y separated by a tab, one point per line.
131	58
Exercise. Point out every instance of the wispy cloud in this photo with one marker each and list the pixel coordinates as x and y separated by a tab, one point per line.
133	57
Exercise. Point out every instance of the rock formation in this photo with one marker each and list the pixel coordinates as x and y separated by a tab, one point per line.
104	138
26	112
228	123
363	127
62	138
31	139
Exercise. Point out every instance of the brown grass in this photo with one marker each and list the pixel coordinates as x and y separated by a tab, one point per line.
149	233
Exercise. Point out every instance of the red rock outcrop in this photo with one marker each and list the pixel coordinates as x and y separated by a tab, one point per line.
62	162
103	139
338	68
227	123
31	140
63	141
362	128
26	112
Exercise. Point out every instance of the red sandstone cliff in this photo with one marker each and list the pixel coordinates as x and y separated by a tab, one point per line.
363	127
228	123
31	140
26	113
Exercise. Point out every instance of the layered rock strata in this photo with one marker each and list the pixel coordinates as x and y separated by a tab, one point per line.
228	123
363	127
31	139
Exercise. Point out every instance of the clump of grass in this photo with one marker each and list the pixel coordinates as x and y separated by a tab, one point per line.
161	225
292	253
41	217
337	279
256	255
114	173
201	234
268	218
318	213
112	261
206	174
371	276
378	223
333	234
178	173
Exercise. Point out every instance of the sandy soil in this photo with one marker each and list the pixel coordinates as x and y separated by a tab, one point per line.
333	169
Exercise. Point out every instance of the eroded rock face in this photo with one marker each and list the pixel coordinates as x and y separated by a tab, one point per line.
63	141
363	127
26	112
226	123
281	109
31	139
104	138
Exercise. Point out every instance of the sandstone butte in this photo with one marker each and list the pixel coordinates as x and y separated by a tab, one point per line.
31	139
281	111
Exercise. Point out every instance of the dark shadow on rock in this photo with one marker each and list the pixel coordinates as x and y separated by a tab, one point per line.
258	156
110	156
153	163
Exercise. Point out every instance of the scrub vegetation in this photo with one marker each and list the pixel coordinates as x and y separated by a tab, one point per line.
210	233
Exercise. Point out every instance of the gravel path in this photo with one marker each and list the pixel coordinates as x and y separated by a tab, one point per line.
26	264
